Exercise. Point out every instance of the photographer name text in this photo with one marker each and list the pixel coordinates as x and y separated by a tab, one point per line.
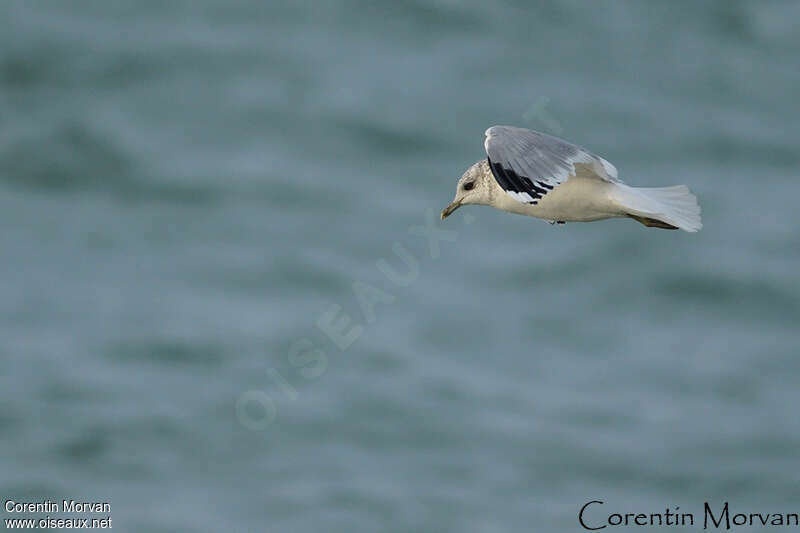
594	516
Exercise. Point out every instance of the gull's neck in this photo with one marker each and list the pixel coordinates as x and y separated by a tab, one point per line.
491	190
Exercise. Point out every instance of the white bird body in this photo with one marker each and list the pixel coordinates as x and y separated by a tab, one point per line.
533	174
576	200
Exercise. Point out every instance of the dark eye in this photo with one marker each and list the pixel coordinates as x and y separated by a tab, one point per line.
469	185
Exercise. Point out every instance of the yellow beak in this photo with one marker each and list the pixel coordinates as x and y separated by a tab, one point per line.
449	209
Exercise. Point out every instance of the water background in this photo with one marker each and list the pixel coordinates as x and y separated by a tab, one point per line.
187	188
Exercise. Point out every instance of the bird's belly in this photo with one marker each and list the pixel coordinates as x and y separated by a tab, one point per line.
575	200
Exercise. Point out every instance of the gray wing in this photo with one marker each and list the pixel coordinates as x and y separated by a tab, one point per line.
528	164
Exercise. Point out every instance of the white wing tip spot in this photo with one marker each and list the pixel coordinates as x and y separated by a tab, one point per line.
520	196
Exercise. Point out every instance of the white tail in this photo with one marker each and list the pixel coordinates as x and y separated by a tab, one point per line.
673	206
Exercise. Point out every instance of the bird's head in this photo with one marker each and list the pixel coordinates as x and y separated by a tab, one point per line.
474	187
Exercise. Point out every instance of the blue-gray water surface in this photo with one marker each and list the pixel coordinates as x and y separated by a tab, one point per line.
227	304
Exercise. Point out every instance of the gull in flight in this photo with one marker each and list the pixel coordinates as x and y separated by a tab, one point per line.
534	174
